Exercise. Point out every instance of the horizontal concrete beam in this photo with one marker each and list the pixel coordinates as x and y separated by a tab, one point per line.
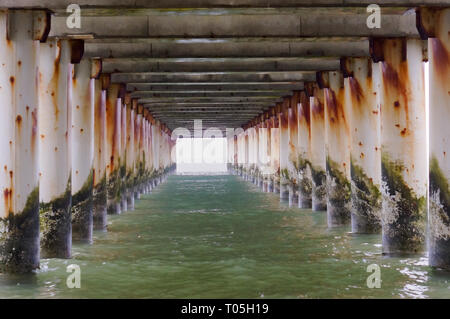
213	77
226	47
209	104
302	24
223	100
210	86
152	94
219	64
169	4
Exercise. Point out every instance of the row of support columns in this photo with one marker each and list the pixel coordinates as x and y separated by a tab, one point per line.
74	147
354	143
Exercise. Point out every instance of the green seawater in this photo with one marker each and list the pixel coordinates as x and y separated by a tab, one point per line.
217	236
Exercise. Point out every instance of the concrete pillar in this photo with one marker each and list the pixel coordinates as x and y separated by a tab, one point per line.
19	97
83	151
337	148
55	161
275	152
269	170
284	150
257	171
361	86
123	157
263	158
246	154
155	150
318	161
100	196
137	151
113	138
293	149
403	144
130	154
304	149
235	152
434	24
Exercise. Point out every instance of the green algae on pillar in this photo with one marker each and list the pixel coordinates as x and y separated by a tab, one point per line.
403	144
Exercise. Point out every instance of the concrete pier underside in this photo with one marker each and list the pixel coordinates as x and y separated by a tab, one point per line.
330	111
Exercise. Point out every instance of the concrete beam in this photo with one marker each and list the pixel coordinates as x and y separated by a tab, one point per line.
223	100
305	23
168	4
148	77
210	86
219	64
225	47
208	104
161	94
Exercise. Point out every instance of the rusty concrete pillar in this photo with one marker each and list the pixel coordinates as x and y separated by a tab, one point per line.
361	86
434	24
100	196
83	110
130	153
123	147
304	150
156	150
269	167
235	152
137	151
337	148
257	141
293	149
55	161
275	150
19	97
403	143
318	158
263	158
246	154
113	125
283	118
144	152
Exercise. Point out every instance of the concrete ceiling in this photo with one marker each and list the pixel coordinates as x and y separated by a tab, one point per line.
223	61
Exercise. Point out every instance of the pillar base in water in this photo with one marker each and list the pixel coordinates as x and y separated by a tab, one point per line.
82	222
114	208
124	203
100	218
270	186
130	200
284	192
19	247
293	197
56	227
